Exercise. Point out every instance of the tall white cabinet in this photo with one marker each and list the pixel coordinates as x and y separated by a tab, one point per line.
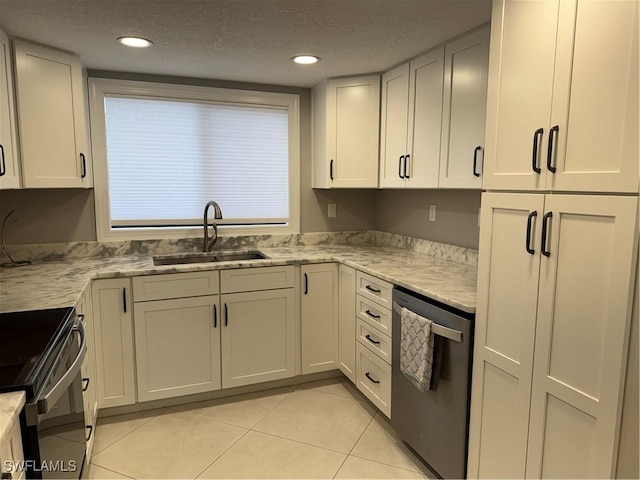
556	263
562	110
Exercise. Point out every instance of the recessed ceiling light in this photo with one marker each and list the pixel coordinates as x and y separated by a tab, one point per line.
306	59
137	42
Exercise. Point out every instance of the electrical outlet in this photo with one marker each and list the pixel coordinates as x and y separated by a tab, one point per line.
332	211
432	213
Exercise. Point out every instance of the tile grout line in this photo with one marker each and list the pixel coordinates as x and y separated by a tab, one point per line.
94	453
354	445
241	437
112	471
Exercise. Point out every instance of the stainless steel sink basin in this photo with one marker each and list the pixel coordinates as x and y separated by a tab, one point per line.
211	257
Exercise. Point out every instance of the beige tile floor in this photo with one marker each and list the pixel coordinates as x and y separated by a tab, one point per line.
323	429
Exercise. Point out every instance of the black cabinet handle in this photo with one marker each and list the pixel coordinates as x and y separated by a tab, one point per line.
331	169
552	139
85	384
475	160
371	378
530	218
215	316
90	428
371	289
306	284
546	221
124	299
406	165
226	315
372	315
375	342
6	476
3	169
81	317
83	173
400	169
537	138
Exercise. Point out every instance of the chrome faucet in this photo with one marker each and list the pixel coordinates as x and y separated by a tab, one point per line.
217	215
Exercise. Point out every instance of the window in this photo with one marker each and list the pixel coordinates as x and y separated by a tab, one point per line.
161	152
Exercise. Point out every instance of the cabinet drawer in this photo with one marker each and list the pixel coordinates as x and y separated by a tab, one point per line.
373	314
175	285
254	279
373	378
374	340
375	289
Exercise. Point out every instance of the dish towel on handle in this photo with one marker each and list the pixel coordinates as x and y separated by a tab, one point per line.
416	349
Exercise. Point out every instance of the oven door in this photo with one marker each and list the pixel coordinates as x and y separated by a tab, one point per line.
55	442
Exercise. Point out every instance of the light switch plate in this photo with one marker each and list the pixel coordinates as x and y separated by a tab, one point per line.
432	213
332	211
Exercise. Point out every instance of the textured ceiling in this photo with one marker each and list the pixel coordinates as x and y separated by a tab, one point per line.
244	40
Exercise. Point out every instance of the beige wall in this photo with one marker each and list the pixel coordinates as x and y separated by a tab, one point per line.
406	212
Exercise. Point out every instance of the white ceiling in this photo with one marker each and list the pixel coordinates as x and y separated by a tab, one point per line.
244	40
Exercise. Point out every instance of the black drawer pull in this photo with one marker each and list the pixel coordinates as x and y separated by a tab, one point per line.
372	315
90	428
552	140
371	289
85	384
371	378
530	218
537	137
6	476
215	316
306	284
375	342
475	160
124	299
226	315
81	317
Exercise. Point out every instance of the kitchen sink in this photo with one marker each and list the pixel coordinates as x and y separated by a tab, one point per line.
209	257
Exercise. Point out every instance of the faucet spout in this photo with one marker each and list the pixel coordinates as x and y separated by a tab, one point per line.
207	243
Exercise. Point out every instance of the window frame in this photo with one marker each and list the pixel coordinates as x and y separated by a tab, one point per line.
101	87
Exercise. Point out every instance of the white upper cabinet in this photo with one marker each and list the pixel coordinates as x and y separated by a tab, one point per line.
9	170
52	118
412	123
346	131
464	111
562	108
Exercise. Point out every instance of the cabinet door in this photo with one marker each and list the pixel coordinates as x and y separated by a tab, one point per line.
9	170
394	126
258	340
426	87
347	321
595	98
504	334
177	347
465	105
51	106
353	131
89	387
584	308
319	321
112	313
523	36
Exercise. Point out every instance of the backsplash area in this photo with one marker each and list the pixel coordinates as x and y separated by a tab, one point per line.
60	251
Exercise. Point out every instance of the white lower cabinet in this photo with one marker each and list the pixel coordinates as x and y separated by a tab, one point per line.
11	453
115	368
177	347
258	339
373	378
347	321
554	290
319	317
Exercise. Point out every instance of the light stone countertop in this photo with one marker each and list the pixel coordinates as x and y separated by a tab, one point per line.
56	284
10	406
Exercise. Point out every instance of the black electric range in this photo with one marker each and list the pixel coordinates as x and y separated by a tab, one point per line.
42	353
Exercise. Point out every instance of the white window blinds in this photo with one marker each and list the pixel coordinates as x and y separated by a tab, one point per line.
167	158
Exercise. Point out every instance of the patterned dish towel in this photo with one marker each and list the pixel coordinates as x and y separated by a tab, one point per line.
416	349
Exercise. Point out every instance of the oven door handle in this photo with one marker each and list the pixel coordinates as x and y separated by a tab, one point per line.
44	403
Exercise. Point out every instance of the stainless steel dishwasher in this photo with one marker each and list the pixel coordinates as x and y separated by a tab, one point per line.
435	423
